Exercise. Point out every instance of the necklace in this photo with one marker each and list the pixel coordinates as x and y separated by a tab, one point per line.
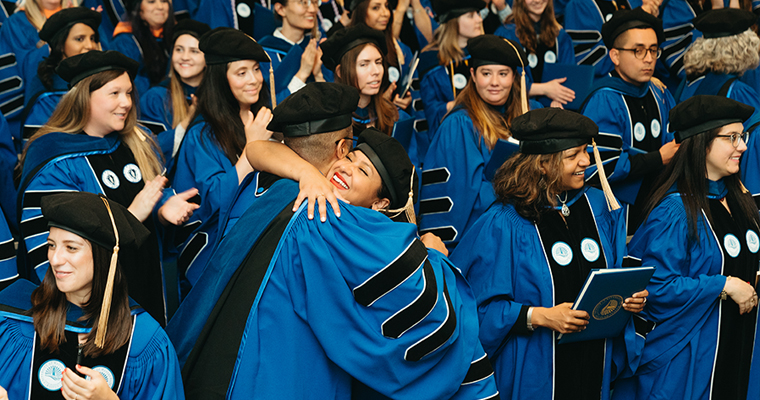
565	209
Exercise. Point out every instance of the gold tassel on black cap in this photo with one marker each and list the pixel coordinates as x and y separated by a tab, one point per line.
105	308
523	92
612	203
408	208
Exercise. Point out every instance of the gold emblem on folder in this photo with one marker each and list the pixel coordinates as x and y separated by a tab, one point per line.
608	307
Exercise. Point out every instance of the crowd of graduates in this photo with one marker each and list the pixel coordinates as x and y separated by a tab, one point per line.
377	198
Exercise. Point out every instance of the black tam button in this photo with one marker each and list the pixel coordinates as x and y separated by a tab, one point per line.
446	10
346	39
86	215
492	49
74	69
701	113
224	45
68	17
392	164
319	107
623	20
724	22
551	130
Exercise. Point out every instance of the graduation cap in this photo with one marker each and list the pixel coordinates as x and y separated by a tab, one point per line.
395	169
496	50
446	10
190	27
225	45
101	221
623	20
74	69
352	4
346	39
724	22
552	130
63	20
701	113
319	107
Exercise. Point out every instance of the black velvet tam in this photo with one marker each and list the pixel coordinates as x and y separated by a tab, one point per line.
446	10
319	107
623	20
392	164
74	69
701	113
68	17
551	130
724	22
346	39
224	45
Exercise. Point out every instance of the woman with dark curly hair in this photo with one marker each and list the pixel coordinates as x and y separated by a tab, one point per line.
528	256
146	38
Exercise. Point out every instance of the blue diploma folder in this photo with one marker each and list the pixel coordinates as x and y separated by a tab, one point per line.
602	298
580	78
502	150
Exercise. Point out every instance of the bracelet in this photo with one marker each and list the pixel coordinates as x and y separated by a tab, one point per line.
530	314
723	294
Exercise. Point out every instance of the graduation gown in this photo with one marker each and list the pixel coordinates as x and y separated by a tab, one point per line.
149	369
512	263
41	102
17	38
455	188
633	123
155	104
681	352
727	85
435	86
677	17
8	269
201	164
126	43
583	22
332	324
62	162
8	161
247	15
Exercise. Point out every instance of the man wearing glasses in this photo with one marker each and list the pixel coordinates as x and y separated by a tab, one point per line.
631	109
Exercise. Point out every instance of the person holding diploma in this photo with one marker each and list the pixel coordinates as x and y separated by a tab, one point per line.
703	298
527	257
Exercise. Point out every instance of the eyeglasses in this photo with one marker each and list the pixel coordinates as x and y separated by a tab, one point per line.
305	3
735	136
641	52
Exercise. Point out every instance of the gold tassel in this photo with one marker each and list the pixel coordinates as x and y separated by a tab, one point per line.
105	308
612	203
453	88
523	92
271	85
408	208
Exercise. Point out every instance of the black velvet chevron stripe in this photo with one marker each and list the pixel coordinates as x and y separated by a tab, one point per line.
7	59
585	36
675	32
192	249
33	226
33	199
595	56
676	47
432	206
581	48
38	255
438	338
13	105
446	233
415	312
433	176
392	275
642	326
7	250
479	370
610	141
10	84
184	232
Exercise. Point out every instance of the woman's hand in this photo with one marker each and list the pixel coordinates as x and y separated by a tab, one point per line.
317	70
308	59
256	128
78	388
318	190
177	210
742	293
555	91
402	103
560	318
146	199
3	394
432	241
636	302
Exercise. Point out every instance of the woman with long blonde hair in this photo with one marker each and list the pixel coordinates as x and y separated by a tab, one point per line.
92	144
456	188
444	63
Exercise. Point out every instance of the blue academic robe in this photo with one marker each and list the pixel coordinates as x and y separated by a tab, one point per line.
8	269
155	104
679	33
41	103
8	161
257	22
561	53
678	359
201	164
627	132
334	320
505	262
436	89
151	370
750	161
583	22
112	12
455	188
127	44
727	85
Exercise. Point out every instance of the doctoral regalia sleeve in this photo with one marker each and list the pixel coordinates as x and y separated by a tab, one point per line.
436	91
679	33
8	160
201	164
155	106
400	353
683	290
743	93
453	203
607	109
16	345
152	370
126	44
565	48
750	161
8	269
